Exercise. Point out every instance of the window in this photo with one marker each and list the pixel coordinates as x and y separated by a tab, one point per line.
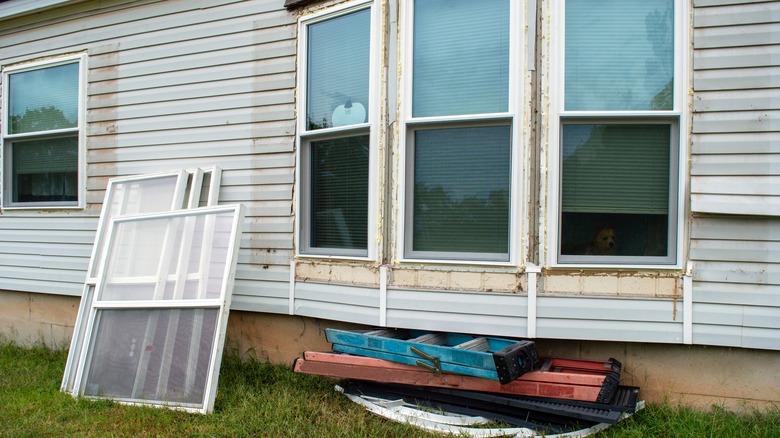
41	141
460	130
619	133
335	132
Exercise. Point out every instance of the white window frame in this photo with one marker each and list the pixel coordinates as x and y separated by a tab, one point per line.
678	183
5	155
370	128
514	118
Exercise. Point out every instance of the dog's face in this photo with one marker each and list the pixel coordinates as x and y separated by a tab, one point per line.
604	243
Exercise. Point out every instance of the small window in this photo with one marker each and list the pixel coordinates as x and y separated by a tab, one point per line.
41	138
619	134
459	131
335	132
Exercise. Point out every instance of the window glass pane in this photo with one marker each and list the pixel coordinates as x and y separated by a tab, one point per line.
461	57
339	193
156	355
338	67
615	189
619	54
461	190
45	170
44	99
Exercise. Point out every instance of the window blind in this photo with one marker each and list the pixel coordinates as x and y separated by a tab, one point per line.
461	57
619	55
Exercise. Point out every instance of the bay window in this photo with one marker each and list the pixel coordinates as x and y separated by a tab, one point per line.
41	134
460	130
335	132
619	133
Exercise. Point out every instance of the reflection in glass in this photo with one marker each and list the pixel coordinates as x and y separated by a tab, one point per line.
461	190
43	99
45	170
338	67
339	193
615	189
461	57
619	55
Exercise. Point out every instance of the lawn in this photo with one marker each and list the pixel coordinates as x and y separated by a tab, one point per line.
256	399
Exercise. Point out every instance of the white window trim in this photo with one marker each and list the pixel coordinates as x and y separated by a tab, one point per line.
518	190
371	127
549	228
5	201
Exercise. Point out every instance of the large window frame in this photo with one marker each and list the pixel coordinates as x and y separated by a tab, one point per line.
677	118
306	138
513	118
77	132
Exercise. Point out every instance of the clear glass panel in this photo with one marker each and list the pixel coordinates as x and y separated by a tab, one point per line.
44	99
615	189
339	193
178	258
45	170
338	67
619	54
461	190
461	57
156	355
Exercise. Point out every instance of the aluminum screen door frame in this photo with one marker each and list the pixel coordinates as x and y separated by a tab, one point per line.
178	224
184	184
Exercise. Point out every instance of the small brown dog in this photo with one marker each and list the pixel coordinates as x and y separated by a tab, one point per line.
603	242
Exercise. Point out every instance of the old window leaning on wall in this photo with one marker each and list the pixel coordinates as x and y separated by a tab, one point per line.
42	114
335	125
459	130
619	131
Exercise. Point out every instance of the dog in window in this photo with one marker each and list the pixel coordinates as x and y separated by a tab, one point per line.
603	243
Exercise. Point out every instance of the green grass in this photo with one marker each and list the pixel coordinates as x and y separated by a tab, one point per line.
256	399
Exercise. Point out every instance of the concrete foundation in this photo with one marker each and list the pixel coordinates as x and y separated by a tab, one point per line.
698	376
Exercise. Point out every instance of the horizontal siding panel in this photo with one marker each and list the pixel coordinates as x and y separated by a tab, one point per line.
228	87
254	69
337	312
43	274
744	164
265	241
617	331
736	36
257	272
333	293
458	302
262	289
11	221
742	121
761	317
194	62
269	225
736	204
46	249
192	105
717	314
504	326
731	15
51	236
736	228
736	100
703	3
216	118
736	79
196	135
606	309
736	57
41	286
719	335
742	185
259	176
44	261
227	148
760	338
226	163
737	272
735	143
737	294
259	304
736	250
